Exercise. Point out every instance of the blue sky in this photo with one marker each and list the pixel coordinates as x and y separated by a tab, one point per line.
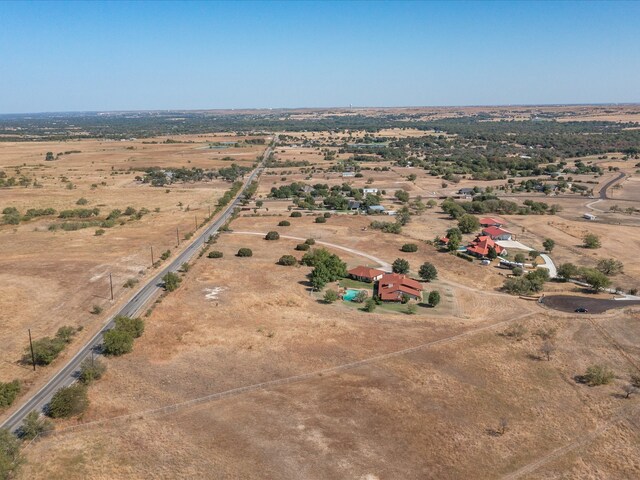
125	56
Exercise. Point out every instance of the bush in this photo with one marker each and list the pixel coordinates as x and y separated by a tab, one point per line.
287	260
244	252
82	201
517	331
568	270
400	265
33	426
96	310
91	370
272	236
45	350
326	215
117	342
321	220
296	214
409	247
10	457
591	241
8	392
330	296
596	279
171	281
69	401
598	375
434	298
610	266
215	254
303	247
309	241
130	283
133	326
428	272
369	305
361	296
412	308
99	232
284	223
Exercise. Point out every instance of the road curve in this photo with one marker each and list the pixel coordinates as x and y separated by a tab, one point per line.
69	372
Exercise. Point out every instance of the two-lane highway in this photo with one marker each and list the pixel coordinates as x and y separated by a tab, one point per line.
68	374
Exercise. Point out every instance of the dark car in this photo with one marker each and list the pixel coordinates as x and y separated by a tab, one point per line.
581	310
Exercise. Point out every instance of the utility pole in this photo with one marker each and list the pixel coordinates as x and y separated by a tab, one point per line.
111	286
33	356
177	236
152	262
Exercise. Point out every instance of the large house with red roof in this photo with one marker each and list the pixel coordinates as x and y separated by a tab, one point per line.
366	274
498	233
480	246
392	287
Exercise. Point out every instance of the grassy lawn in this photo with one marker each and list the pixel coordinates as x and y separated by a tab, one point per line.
350	283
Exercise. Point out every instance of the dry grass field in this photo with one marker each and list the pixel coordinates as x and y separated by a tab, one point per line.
410	414
54	278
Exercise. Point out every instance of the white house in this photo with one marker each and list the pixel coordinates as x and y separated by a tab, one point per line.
373	191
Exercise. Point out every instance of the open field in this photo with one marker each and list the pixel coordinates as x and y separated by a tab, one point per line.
54	278
409	415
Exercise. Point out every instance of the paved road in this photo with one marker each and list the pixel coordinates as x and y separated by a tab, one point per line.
609	184
68	374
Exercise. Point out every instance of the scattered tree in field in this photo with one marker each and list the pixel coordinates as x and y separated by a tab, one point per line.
400	265
402	196
434	298
454	234
598	375
517	272
330	296
69	401
117	342
96	310
547	349
272	236
33	425
568	271
519	258
171	281
309	241
369	305
431	203
185	267
287	260
591	240
428	272
321	220
244	252
91	370
303	247
326	214
215	254
548	245
468	223
596	279
296	214
409	247
629	389
533	254
49	157
610	266
327	267
8	392
82	201
284	223
10	457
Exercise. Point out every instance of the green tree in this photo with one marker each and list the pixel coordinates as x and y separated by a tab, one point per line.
8	392
492	253
596	279
434	298
412	308
330	296
548	244
117	342
69	401
33	426
610	266
215	254
591	241
287	260
400	265
272	236
409	247
171	281
533	254
454	234
369	305
91	370
568	270
134	326
598	375
428	272
468	223
519	258
10	457
244	252
284	223
361	296
402	196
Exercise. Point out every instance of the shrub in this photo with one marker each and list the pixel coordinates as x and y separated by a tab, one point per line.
428	272
91	370
166	254
517	331
33	426
330	296
412	308
400	265
45	350
321	220
82	201
303	247
69	401
215	254
309	241
129	211
409	247
117	342
244	252
96	310
133	326
595	278
434	298
598	375
287	260
369	305
284	223
10	457
272	236
130	283
65	334
361	296
296	214
610	266
568	270
326	215
591	241
8	392
171	281
517	271
99	232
